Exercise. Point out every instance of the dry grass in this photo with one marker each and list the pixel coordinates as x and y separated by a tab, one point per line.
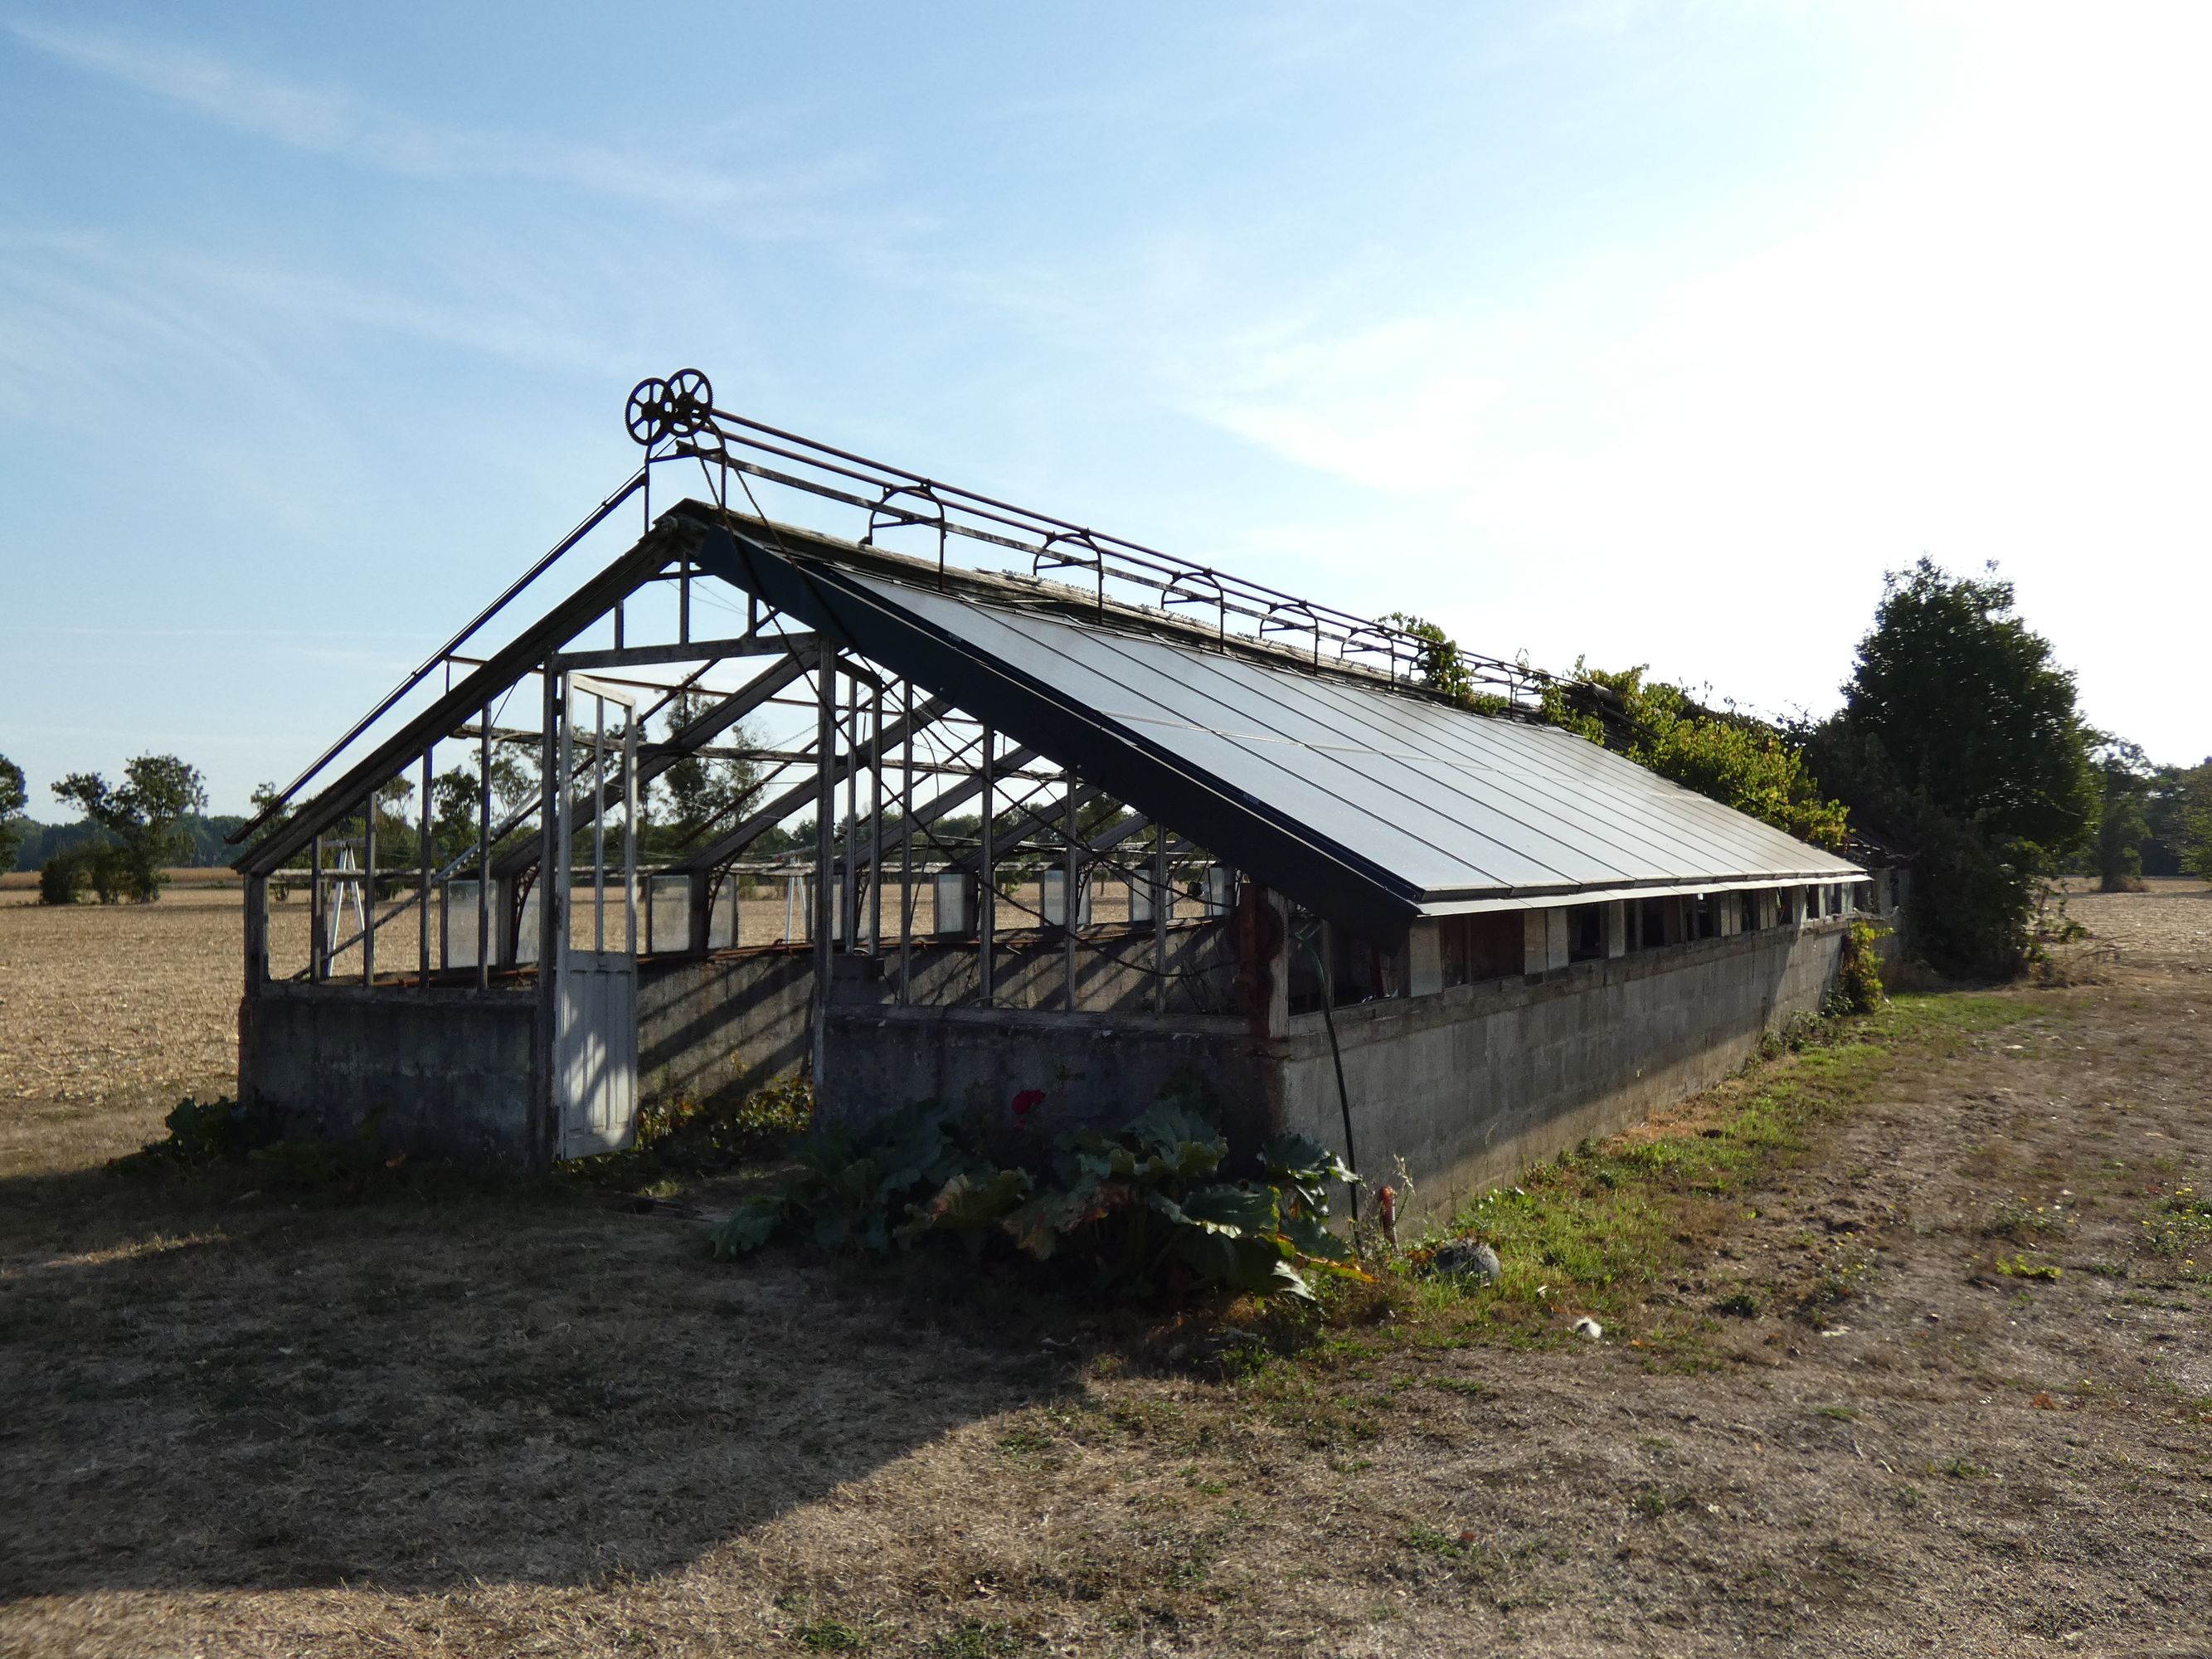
441	1418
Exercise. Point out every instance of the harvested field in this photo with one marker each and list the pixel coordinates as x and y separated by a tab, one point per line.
1936	1380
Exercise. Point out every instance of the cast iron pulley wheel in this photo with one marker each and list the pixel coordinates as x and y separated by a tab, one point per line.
691	398
651	411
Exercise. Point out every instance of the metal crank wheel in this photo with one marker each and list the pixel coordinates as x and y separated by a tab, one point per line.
691	401
652	412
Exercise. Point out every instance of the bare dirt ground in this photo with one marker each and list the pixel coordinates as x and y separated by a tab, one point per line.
442	1420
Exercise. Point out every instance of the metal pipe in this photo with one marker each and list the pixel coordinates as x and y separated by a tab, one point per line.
987	886
599	824
368	891
825	805
848	884
1163	896
876	813
483	853
552	913
316	900
422	893
1071	910
629	834
905	851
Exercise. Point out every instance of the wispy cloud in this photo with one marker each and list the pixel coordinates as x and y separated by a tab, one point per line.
330	119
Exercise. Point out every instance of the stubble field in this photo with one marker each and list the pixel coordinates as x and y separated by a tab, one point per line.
1938	1379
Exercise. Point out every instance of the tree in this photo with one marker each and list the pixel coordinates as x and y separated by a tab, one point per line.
13	795
2195	821
140	817
2124	778
1736	759
1974	713
1959	740
702	790
455	798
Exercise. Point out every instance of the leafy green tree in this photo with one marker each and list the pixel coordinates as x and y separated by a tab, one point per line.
2195	821
2124	778
142	817
702	790
2166	810
1739	761
455	796
1959	740
13	795
1974	713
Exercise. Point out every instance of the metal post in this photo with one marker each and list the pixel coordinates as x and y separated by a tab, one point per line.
423	891
1070	911
630	832
599	820
257	933
483	849
1163	896
987	887
316	961
876	816
368	891
848	886
825	807
552	892
905	851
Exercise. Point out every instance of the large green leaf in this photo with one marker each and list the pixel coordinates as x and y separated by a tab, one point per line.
1310	1236
1225	1207
1300	1160
749	1226
970	1203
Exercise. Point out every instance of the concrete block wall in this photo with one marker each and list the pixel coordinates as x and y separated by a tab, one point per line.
716	1029
452	1070
1472	1083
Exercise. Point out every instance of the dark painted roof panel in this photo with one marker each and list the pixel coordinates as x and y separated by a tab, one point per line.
1455	805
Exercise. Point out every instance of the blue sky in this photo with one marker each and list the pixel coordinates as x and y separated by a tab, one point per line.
1650	333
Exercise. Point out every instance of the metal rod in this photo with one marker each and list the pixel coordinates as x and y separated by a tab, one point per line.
422	846
483	853
987	887
368	891
552	909
876	815
849	886
825	805
598	824
316	900
1070	911
1163	896
906	850
629	834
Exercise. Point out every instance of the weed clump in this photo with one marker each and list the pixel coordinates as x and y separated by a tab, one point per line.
1141	1211
2180	1225
1858	979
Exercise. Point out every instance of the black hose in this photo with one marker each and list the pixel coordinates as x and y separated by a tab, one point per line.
1343	1095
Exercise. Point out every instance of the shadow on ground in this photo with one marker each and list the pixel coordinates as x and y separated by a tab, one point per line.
211	1387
